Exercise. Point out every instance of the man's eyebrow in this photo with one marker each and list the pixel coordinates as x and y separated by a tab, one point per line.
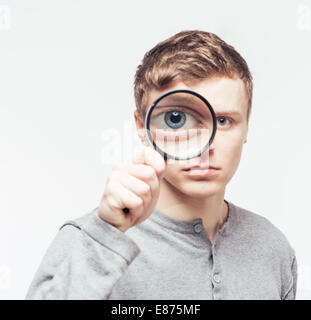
228	112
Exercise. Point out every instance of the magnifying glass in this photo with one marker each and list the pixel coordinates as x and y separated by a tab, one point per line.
180	125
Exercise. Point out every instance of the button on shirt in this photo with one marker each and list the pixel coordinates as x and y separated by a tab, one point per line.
198	227
216	277
167	258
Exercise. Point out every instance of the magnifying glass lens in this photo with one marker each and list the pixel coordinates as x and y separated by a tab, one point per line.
181	125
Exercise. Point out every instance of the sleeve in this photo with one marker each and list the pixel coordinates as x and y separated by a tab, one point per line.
84	261
291	292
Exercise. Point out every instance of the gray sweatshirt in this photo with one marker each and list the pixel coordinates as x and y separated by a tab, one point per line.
167	258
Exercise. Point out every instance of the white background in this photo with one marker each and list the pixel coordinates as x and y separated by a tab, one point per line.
66	77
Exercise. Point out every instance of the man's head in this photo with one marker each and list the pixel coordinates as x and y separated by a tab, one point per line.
204	63
188	56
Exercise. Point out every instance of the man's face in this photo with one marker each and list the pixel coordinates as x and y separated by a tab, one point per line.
229	101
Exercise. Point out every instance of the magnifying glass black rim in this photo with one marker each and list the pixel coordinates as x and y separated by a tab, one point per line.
147	125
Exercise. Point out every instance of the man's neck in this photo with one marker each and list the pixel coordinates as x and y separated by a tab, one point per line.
213	210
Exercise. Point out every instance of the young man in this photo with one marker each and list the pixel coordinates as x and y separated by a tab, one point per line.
181	238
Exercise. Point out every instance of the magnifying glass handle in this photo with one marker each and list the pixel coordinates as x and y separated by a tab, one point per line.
126	210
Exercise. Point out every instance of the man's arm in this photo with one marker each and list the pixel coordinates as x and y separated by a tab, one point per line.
90	254
291	292
85	260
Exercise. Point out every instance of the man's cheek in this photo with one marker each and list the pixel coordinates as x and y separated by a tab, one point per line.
233	160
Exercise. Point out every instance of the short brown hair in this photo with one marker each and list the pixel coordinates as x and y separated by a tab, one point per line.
189	56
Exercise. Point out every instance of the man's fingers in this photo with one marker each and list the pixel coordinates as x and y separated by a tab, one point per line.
120	197
137	186
149	156
142	172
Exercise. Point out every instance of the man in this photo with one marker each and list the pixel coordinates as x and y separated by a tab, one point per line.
181	238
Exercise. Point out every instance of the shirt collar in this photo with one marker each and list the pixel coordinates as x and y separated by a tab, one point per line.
189	226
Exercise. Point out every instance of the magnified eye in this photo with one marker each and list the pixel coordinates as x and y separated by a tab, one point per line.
175	119
181	124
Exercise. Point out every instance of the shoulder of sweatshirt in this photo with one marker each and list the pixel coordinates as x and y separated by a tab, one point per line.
255	227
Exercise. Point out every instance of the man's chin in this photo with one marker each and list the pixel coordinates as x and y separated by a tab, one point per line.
200	189
200	194
194	188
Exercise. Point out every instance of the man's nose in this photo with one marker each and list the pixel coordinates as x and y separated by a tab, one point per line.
211	147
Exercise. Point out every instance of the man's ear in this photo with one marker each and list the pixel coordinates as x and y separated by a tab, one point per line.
140	128
245	138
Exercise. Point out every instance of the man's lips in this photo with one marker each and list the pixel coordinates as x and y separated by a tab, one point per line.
201	171
201	168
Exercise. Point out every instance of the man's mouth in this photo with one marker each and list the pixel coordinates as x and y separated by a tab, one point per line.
201	171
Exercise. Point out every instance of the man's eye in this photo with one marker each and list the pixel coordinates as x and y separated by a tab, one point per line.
223	121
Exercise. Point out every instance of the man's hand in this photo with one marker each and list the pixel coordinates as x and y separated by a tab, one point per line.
133	185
